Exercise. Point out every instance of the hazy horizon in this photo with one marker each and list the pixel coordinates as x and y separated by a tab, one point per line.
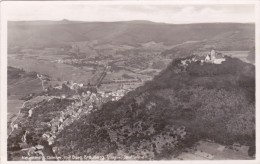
148	21
170	14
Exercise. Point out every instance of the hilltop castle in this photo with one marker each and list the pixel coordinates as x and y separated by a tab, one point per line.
214	57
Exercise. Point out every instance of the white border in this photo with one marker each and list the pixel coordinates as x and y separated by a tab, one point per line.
3	69
3	83
257	61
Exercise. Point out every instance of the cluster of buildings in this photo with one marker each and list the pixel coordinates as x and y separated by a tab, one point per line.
86	99
212	57
85	102
87	93
112	96
70	84
70	61
81	61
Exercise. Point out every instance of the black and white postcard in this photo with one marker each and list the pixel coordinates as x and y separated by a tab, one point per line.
129	81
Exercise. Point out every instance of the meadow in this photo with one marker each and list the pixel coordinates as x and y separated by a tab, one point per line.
242	55
54	70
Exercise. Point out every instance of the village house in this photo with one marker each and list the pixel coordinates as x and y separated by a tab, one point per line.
67	122
63	96
59	87
30	113
204	155
47	135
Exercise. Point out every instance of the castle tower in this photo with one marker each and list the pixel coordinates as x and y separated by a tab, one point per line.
212	55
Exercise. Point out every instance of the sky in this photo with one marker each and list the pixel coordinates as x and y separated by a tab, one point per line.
170	13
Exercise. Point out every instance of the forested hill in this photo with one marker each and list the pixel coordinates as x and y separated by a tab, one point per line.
42	34
181	106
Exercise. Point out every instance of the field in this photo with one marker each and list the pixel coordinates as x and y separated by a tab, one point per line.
24	87
242	55
205	150
14	105
18	88
54	70
120	75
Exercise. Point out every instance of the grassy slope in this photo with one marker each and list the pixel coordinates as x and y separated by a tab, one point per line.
21	83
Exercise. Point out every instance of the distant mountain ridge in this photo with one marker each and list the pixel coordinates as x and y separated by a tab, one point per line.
42	34
66	21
